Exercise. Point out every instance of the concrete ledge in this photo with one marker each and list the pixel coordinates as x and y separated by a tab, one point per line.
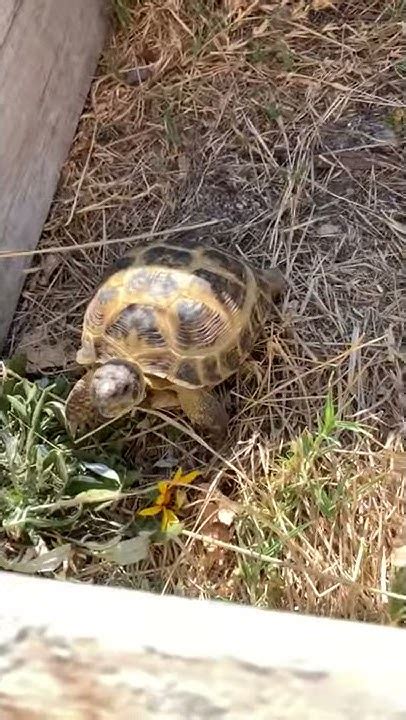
70	651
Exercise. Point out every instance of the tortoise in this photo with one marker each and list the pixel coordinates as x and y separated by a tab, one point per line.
169	323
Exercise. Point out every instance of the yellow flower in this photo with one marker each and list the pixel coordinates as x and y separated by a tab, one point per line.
170	498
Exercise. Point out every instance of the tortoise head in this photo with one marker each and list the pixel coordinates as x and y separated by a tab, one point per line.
109	391
116	386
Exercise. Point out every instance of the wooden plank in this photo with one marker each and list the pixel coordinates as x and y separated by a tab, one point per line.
71	650
48	52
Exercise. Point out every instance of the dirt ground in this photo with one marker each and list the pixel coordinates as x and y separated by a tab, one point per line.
285	122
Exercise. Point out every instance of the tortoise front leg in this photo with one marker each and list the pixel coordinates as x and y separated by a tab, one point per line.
79	409
204	410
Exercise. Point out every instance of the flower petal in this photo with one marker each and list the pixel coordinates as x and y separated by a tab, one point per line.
176	477
168	519
180	499
163	486
162	499
149	511
188	478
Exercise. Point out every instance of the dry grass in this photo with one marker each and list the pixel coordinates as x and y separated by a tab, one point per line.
288	125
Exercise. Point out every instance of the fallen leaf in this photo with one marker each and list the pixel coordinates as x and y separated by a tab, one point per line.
46	562
128	552
40	354
103	470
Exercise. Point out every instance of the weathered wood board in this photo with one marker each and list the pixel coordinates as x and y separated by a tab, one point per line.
48	52
71	651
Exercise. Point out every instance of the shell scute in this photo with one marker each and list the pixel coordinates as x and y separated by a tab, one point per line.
167	256
139	323
211	372
230	264
198	326
187	373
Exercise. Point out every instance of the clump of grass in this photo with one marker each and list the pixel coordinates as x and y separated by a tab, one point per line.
313	497
315	526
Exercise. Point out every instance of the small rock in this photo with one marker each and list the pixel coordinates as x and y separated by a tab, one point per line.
138	75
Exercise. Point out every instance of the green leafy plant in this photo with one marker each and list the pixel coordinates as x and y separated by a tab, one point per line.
45	481
307	453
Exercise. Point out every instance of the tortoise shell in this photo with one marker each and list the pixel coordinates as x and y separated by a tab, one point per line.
186	314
